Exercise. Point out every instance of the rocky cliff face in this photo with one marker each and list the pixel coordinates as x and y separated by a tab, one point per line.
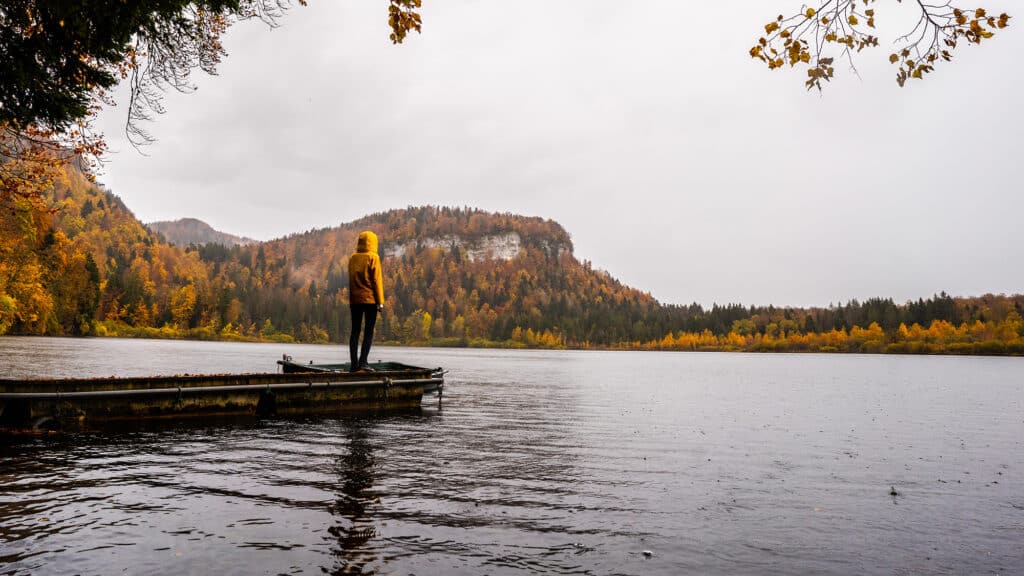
506	246
492	247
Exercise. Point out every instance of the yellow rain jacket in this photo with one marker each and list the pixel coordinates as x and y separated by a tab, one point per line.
365	281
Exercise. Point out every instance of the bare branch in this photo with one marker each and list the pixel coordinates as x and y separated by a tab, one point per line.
165	54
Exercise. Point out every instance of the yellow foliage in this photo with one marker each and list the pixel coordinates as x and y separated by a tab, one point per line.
941	29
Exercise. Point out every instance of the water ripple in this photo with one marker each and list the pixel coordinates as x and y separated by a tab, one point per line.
554	463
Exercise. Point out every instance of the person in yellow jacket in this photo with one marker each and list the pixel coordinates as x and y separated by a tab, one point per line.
365	297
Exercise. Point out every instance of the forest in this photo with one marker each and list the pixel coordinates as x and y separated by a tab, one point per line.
85	266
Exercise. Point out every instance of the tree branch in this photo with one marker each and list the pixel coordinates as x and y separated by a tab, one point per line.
808	38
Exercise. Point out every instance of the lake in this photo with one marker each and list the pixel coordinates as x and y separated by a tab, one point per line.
537	462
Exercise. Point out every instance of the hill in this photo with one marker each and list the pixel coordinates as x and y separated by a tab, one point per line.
453	276
187	231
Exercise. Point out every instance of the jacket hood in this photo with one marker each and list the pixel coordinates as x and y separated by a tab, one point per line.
367	242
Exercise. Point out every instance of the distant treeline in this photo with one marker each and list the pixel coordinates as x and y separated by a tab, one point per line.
938	336
453	277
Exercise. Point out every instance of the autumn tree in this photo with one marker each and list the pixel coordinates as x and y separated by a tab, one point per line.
838	29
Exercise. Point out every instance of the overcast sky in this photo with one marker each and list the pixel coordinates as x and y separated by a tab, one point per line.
676	162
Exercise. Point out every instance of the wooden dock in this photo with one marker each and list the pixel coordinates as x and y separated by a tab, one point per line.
75	402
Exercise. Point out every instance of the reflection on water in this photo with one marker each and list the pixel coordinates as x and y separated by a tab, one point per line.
540	462
355	528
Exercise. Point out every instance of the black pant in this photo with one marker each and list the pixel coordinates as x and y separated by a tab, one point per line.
359	311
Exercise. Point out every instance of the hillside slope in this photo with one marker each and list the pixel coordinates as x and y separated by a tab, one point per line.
87	260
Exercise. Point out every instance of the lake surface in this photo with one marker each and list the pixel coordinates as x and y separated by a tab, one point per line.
538	463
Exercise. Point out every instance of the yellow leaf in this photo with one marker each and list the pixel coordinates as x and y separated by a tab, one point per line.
852	20
810	13
893	58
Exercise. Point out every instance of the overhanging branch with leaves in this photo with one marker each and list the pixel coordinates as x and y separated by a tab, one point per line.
816	36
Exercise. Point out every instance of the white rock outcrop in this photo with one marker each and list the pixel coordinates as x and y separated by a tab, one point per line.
496	247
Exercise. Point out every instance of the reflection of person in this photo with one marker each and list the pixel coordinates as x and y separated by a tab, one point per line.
356	525
365	297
